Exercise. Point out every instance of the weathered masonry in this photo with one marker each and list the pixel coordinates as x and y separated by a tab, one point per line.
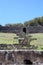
31	29
20	57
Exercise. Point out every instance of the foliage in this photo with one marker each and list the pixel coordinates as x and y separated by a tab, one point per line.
35	22
14	25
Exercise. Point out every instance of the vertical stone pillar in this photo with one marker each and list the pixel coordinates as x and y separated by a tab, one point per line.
6	56
26	41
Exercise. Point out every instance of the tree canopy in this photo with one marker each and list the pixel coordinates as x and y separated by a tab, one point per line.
34	22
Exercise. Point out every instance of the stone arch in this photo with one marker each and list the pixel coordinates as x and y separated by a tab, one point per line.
27	61
24	29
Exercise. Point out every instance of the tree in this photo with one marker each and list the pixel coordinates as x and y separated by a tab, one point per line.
8	25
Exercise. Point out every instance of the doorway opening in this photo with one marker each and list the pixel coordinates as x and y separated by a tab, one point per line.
26	61
24	30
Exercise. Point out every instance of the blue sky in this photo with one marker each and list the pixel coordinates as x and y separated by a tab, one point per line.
19	11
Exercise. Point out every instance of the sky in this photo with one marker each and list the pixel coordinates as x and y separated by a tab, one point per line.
19	11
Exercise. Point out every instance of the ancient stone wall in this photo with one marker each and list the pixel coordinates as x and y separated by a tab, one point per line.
20	57
30	29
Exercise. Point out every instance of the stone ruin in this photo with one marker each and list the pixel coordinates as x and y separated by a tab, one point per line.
21	57
24	41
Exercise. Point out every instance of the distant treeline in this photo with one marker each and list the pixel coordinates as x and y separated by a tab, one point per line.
33	22
36	22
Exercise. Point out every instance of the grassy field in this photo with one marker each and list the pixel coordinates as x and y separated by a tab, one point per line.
10	38
39	40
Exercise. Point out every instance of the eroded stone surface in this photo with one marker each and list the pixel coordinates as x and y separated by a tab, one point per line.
18	57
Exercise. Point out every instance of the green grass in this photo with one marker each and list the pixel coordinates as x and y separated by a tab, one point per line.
8	38
39	41
11	38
